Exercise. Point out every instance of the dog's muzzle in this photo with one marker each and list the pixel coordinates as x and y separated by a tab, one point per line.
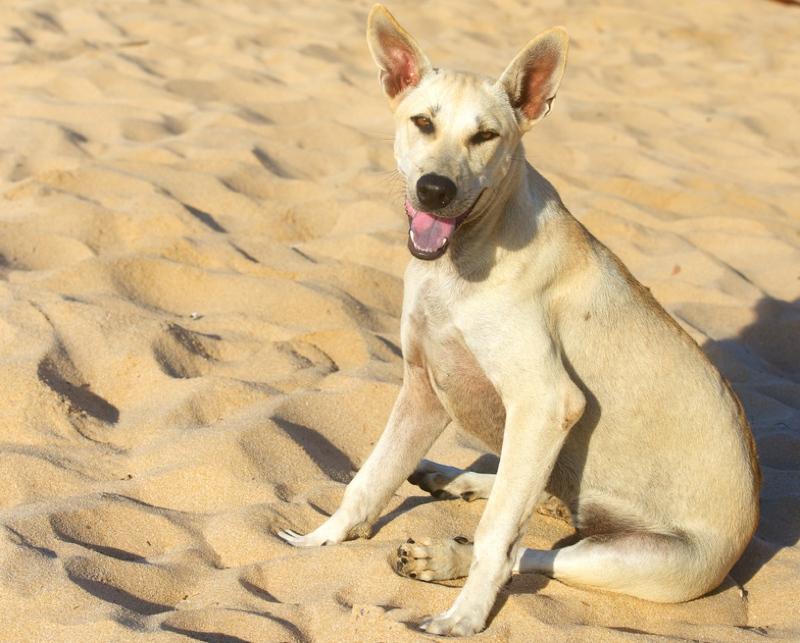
428	234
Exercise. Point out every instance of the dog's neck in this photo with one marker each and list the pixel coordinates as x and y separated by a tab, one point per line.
508	219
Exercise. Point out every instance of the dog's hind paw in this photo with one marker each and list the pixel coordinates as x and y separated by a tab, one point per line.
430	560
443	481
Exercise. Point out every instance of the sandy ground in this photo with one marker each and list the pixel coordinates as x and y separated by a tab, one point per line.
201	257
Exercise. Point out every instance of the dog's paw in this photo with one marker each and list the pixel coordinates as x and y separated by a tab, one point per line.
455	624
442	481
330	532
338	528
555	508
300	540
434	478
429	560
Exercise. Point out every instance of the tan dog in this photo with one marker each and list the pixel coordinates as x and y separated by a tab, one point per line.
525	329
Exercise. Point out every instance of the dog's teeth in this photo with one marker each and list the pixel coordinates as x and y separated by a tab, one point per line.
413	239
441	245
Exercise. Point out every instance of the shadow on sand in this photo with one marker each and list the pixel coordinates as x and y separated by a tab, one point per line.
762	362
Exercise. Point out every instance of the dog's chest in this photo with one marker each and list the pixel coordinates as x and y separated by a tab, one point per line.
455	375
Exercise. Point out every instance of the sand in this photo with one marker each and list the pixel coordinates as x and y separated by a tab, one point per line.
201	258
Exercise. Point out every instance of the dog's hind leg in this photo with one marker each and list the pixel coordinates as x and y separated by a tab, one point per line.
656	567
441	480
665	568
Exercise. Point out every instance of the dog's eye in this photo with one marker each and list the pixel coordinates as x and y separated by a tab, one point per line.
483	136
423	123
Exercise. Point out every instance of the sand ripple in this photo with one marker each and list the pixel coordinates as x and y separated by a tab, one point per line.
201	256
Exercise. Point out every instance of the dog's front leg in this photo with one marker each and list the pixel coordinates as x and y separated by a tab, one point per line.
541	406
416	421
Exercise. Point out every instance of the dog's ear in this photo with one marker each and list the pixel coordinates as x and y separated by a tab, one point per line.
400	60
533	77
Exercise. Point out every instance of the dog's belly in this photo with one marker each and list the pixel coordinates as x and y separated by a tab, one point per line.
465	391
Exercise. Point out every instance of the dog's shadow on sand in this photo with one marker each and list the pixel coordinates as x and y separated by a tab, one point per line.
762	362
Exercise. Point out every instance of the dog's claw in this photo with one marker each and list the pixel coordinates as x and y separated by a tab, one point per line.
325	534
294	539
289	536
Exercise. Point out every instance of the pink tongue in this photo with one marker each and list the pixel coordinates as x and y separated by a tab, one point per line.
430	232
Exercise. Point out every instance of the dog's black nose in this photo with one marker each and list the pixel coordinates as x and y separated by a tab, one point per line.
435	191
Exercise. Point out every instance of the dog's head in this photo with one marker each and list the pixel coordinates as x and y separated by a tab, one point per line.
457	133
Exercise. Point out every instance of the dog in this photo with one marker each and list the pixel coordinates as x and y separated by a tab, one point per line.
521	326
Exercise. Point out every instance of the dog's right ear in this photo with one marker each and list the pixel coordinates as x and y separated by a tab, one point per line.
400	60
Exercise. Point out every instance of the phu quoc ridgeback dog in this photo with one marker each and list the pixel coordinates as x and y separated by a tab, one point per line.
521	326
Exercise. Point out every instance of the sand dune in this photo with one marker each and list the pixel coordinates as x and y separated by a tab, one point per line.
201	257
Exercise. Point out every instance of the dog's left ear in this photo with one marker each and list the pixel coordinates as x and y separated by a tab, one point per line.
533	77
400	60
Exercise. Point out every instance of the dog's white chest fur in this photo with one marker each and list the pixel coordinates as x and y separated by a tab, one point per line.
435	339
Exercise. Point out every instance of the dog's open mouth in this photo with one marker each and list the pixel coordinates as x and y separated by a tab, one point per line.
429	235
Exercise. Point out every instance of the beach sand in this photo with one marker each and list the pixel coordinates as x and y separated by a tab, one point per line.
202	245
